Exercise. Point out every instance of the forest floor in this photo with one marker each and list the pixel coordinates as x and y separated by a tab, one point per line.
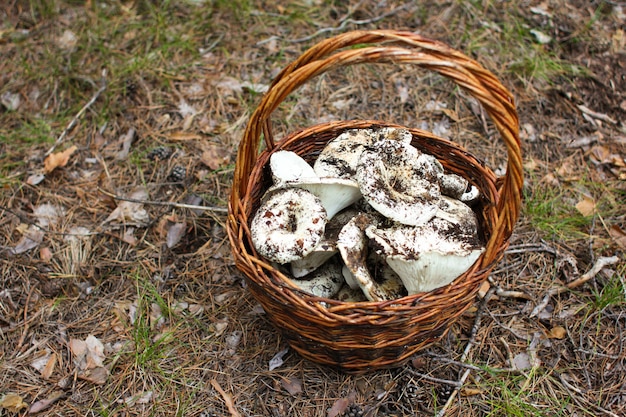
113	307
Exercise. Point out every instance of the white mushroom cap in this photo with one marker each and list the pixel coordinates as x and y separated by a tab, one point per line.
289	225
340	157
322	252
455	186
429	256
458	213
324	282
400	182
290	170
288	166
326	248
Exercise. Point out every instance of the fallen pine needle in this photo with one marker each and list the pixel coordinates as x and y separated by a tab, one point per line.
227	399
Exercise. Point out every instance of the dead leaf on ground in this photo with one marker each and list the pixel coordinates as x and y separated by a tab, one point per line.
130	213
96	376
41	405
468	392
618	236
175	232
12	402
586	206
88	353
277	361
292	385
143	397
58	159
339	407
215	156
29	240
557	332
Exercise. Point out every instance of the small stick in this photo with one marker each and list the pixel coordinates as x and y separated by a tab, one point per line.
78	115
437	380
345	22
227	399
470	344
587	276
164	203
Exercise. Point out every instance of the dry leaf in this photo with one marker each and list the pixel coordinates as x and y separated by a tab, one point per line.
292	385
30	240
468	392
130	213
58	159
96	376
521	361
88	354
586	206
618	236
227	399
557	332
35	179
45	254
277	360
339	407
127	141
46	372
175	232
12	402
129	236
41	405
215	156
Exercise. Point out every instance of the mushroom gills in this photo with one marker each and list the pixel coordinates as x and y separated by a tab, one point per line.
289	225
433	270
325	282
289	170
326	248
352	244
426	257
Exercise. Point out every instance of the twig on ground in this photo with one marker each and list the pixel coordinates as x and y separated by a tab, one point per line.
433	379
348	20
164	203
587	276
78	115
470	344
227	399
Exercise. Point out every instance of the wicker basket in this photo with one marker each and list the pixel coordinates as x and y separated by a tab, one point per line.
357	337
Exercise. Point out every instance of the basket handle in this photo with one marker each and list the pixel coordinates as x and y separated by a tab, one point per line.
405	48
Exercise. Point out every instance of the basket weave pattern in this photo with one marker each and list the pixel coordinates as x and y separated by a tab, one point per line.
368	335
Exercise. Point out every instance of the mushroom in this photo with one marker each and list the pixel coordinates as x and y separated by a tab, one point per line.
291	170
350	295
352	244
458	213
289	225
289	167
325	249
324	282
455	186
340	157
428	256
400	182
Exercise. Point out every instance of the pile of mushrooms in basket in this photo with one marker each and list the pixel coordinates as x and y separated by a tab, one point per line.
373	219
